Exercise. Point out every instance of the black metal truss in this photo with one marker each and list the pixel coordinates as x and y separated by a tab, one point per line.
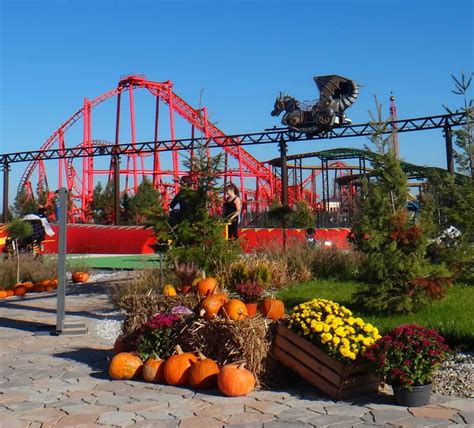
275	135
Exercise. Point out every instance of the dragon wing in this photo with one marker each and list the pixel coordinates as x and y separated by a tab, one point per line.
343	91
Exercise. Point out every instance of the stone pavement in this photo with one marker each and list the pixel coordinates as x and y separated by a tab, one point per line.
62	381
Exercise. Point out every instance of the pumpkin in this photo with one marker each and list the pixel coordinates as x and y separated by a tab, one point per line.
44	283
80	277
235	310
203	374
235	381
211	305
178	366
10	293
50	287
19	290
28	284
169	290
207	286
3	294
38	287
125	366
153	369
273	308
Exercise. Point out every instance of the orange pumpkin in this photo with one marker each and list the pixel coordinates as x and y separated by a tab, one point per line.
54	281
3	294
153	369
203	374
207	286
273	308
38	287
19	290
125	366
211	305
28	285
50	287
235	310
235	381
178	366
10	293
80	277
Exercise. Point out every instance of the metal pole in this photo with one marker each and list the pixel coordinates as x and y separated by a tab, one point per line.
6	170
284	172
449	148
61	262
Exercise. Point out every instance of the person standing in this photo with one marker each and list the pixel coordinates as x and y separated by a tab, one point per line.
181	205
231	210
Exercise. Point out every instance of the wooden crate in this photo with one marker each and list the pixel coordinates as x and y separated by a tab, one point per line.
331	376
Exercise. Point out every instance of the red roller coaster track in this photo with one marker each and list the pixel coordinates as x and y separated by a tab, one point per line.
257	182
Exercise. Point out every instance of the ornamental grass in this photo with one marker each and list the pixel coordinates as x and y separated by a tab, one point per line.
333	328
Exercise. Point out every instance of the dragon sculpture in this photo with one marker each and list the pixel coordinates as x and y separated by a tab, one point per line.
336	95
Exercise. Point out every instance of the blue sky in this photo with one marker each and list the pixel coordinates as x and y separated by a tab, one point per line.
239	53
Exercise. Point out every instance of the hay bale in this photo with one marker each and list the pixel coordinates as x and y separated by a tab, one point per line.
247	341
222	340
140	308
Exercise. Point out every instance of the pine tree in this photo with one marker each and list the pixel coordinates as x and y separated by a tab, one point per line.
140	204
199	237
394	243
102	204
25	204
464	137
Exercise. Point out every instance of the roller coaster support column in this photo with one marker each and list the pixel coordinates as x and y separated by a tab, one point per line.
6	170
116	162
448	135
284	172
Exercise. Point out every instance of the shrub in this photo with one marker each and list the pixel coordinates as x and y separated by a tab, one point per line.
158	337
408	355
250	291
256	268
336	264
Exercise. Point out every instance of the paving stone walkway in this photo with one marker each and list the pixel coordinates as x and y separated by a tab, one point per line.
61	381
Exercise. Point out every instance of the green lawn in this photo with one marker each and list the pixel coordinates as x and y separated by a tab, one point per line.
112	261
452	316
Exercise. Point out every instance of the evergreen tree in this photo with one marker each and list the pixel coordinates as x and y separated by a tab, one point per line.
140	205
25	204
394	243
199	237
126	216
464	154
103	203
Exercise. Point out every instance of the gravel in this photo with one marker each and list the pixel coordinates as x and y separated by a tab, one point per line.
456	376
109	329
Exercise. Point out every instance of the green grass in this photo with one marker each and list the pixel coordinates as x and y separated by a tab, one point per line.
452	316
118	261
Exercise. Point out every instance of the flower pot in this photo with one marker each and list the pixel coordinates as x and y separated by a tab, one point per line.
251	309
417	397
